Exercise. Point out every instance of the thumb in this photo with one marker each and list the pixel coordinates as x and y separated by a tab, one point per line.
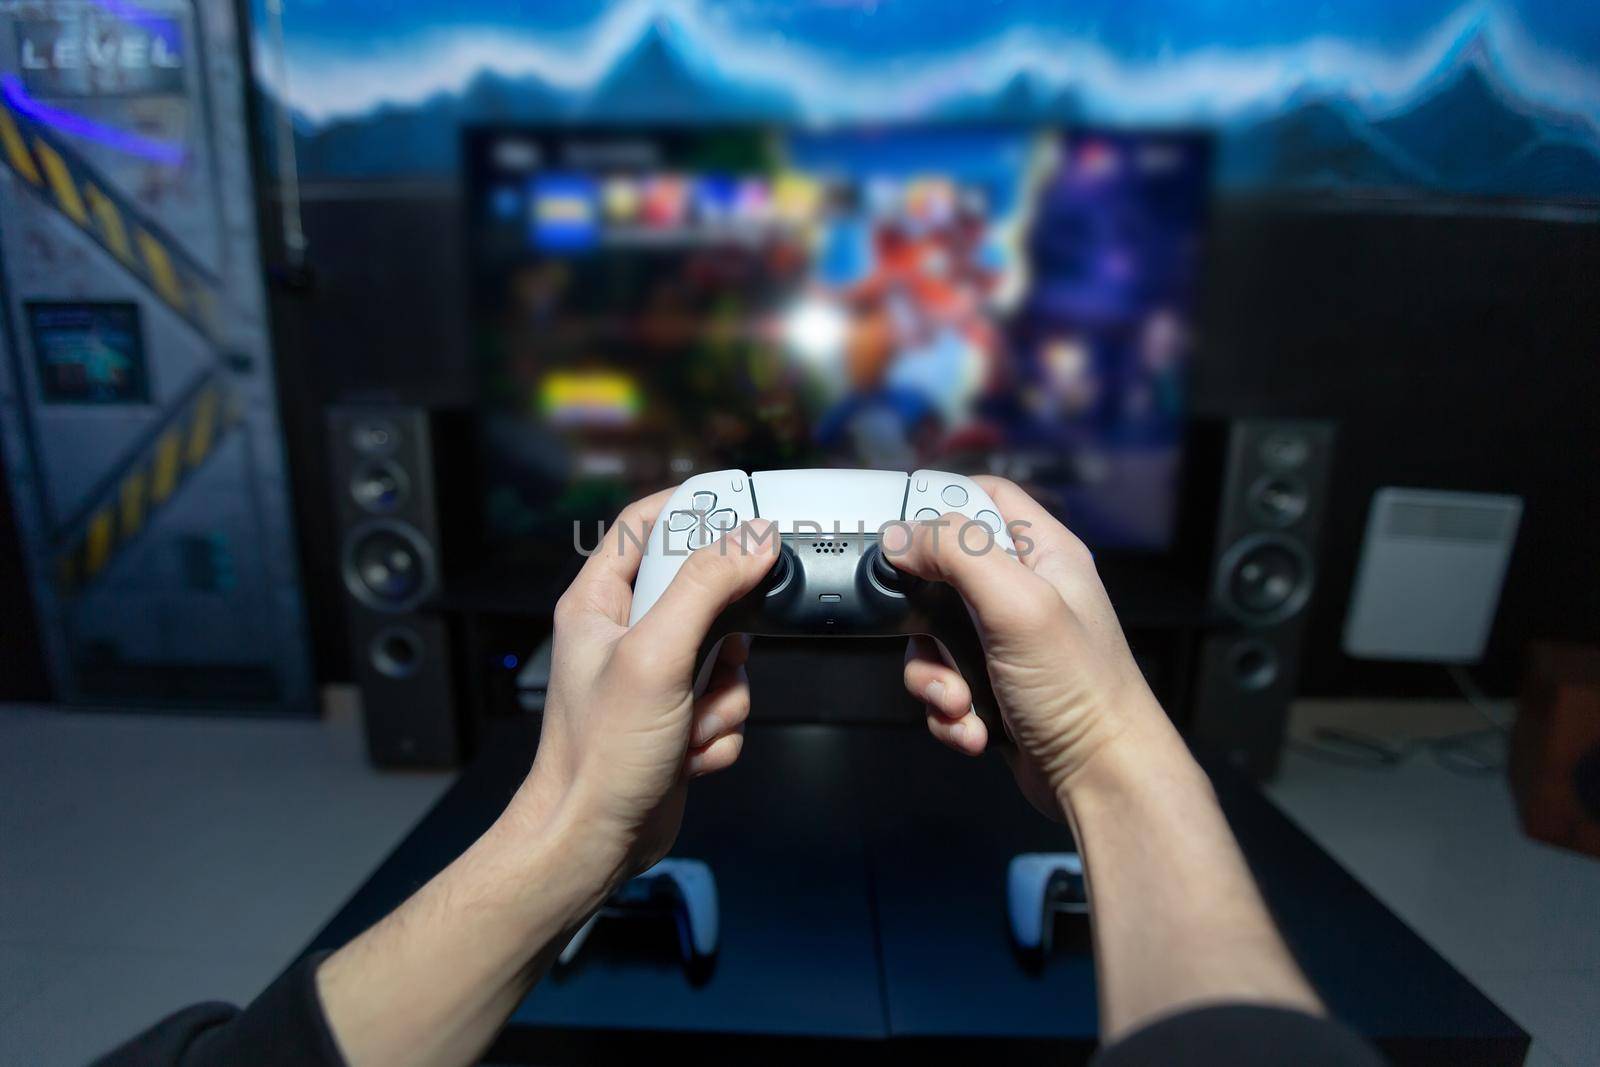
709	580
1005	596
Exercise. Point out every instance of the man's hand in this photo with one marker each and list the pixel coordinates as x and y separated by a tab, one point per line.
623	730
1177	920
1067	685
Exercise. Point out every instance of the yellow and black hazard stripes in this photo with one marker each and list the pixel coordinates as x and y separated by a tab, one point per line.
190	431
67	182
124	506
16	149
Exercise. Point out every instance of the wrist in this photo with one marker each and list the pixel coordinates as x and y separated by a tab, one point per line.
1150	759
563	804
554	851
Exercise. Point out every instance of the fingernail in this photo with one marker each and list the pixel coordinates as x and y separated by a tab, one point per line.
705	728
958	731
934	693
753	538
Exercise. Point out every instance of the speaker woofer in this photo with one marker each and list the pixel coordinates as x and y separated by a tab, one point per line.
1254	665
396	652
1264	579
380	487
388	566
1278	500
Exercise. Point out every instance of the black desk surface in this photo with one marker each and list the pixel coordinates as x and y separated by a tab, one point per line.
861	876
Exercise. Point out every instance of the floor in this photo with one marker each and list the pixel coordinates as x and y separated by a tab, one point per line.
143	861
136	848
1445	853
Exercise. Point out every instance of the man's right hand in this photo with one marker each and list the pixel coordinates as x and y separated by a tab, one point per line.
1178	922
1068	688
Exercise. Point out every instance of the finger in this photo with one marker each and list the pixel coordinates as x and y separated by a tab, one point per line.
605	584
1044	544
966	735
937	684
735	651
732	650
718	755
721	709
710	579
724	669
1005	594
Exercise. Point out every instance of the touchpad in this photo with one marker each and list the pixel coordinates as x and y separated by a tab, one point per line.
818	501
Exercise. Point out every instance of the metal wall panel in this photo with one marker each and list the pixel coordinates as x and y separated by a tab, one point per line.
137	396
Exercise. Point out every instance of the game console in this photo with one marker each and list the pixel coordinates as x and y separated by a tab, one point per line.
833	576
1039	887
683	890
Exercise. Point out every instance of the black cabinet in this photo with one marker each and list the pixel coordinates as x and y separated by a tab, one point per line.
861	880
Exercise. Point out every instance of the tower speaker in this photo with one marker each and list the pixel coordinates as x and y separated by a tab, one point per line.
387	509
1262	575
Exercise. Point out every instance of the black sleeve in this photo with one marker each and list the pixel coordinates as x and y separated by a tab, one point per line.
1240	1035
284	1025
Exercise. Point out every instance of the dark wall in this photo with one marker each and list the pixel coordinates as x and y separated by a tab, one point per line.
1456	351
375	317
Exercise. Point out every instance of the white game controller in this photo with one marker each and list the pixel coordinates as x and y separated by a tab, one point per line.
1040	886
683	889
833	577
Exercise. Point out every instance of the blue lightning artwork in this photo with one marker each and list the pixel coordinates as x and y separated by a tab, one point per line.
1426	97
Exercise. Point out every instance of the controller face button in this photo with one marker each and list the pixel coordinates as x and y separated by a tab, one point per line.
705	500
990	519
700	538
724	519
680	521
927	514
954	495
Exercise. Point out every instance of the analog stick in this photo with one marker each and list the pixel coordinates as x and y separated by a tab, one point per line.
886	574
782	571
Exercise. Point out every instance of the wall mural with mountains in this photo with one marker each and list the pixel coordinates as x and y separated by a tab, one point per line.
1425	97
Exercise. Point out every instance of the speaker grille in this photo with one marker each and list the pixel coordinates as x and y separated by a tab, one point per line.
388	566
1264	579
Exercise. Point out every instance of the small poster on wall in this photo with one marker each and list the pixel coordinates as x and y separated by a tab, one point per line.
89	353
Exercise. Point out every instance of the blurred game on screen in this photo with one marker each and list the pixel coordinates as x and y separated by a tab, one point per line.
649	304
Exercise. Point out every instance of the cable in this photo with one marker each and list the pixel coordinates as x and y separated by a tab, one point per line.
1475	696
288	169
1473	753
1348	748
1460	752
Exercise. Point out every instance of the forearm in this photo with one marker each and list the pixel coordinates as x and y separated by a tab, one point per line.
1177	917
434	981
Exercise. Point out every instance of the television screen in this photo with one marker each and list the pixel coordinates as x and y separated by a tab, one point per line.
649	304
